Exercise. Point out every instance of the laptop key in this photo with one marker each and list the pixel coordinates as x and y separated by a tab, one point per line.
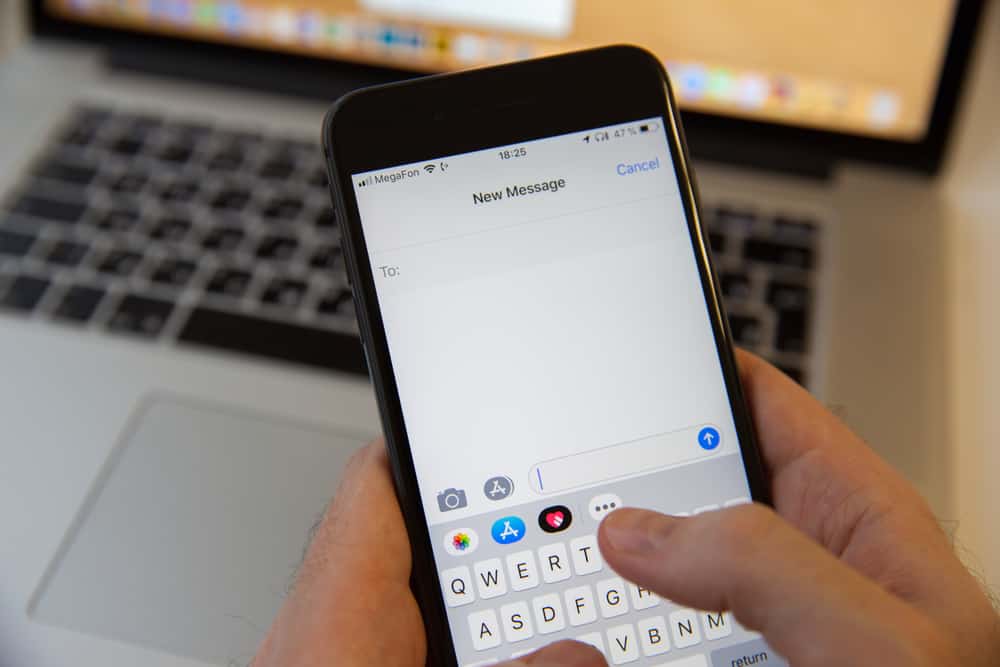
180	191
79	136
56	210
318	178
276	247
119	219
746	330
91	116
303	146
14	244
283	341
735	285
67	172
24	293
227	159
327	257
794	227
734	217
222	239
119	263
66	253
140	315
170	229
176	154
786	296
142	124
277	168
284	292
337	302
771	252
231	199
127	146
192	132
282	208
327	218
791	331
83	126
78	304
717	241
246	140
130	182
230	282
173	272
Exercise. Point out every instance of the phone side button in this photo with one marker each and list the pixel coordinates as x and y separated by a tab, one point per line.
368	362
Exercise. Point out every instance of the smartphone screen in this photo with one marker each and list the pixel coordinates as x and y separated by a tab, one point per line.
549	335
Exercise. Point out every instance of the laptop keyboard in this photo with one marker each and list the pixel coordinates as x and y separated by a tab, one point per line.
767	265
169	230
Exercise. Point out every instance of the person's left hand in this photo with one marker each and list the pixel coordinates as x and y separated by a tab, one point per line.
351	603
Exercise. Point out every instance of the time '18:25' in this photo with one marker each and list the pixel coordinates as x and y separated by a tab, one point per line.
511	153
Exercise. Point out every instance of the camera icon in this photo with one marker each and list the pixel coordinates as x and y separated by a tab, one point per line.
452	499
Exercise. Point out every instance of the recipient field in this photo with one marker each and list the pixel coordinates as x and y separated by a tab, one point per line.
522	244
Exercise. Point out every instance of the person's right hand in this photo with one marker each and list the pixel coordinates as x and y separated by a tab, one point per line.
850	568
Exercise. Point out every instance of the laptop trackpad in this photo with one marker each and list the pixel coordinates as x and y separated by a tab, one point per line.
192	533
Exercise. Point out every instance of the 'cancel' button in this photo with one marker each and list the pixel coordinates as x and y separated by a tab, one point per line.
755	652
629	168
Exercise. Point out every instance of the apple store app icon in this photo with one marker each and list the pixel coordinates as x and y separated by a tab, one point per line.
498	488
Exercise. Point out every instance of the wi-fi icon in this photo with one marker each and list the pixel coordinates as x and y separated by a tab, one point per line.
429	168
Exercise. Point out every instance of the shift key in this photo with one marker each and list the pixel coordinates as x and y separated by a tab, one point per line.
47	208
754	652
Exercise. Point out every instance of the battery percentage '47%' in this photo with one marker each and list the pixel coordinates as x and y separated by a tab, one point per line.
602	136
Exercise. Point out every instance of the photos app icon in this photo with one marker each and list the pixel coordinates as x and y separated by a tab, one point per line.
460	541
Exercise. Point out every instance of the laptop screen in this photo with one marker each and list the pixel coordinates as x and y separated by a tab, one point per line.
852	66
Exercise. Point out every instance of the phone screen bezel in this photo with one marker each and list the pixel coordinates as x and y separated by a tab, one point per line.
451	114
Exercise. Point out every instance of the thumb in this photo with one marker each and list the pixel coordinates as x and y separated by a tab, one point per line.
561	654
809	606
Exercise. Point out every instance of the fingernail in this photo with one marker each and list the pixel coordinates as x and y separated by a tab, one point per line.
636	532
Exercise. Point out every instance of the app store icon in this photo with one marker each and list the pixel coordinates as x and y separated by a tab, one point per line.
508	530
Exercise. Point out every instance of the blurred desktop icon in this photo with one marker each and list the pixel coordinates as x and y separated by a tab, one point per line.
753	91
883	109
169	253
784	90
692	82
720	85
282	25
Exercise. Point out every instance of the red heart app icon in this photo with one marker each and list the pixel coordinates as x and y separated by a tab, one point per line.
554	519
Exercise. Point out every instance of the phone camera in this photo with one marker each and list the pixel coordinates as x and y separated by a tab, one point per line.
452	499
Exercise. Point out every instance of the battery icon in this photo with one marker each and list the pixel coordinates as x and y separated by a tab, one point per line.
644	128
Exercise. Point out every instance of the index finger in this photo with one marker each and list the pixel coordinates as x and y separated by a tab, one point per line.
790	422
362	531
824	478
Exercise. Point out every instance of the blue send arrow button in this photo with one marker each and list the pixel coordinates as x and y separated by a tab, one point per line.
709	438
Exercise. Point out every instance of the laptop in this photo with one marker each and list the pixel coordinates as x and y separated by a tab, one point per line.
182	375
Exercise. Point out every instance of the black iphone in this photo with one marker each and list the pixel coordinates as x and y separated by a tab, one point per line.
545	337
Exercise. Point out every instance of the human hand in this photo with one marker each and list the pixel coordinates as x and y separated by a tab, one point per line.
351	603
850	568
